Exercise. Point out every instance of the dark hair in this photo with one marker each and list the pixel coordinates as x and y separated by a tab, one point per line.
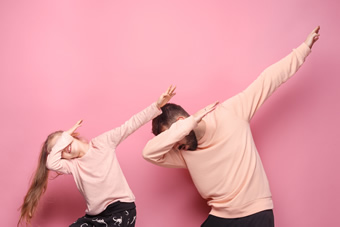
170	112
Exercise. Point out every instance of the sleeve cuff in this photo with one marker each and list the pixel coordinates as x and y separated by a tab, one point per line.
157	111
63	141
303	50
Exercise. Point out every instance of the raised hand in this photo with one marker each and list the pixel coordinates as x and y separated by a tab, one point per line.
166	96
313	37
74	127
201	113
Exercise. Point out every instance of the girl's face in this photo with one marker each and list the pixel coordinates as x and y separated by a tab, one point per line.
75	149
71	151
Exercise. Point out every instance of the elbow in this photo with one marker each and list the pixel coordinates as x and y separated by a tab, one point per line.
147	152
51	166
54	166
48	164
150	158
146	156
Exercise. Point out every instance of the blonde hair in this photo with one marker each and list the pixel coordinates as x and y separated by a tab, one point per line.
38	183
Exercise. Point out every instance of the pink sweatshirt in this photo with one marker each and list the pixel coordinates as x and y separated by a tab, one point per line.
226	168
97	174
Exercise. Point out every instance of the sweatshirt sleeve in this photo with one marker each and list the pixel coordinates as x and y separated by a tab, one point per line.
251	99
160	151
115	136
54	161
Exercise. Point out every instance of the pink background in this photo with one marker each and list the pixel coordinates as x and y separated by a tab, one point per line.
102	61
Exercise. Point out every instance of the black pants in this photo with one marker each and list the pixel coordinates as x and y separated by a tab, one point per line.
261	219
116	214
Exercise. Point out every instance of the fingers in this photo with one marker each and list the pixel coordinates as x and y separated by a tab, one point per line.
203	112
211	107
79	123
215	103
171	90
313	37
166	96
74	127
316	30
315	33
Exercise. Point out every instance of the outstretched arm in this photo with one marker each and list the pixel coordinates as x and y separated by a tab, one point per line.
251	99
118	134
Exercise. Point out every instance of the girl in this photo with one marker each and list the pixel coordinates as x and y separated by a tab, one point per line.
95	169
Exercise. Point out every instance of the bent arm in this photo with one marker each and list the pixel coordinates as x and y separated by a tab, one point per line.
160	151
54	161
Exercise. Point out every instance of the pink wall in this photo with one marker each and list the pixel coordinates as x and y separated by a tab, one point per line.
103	61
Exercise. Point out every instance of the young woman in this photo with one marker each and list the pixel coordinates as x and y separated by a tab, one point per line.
95	169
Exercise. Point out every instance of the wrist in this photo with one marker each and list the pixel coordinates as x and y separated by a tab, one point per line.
158	105
308	44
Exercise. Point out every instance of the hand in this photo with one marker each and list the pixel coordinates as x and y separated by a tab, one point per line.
313	37
201	113
74	127
166	96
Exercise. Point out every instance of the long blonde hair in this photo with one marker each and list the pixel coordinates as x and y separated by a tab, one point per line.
38	183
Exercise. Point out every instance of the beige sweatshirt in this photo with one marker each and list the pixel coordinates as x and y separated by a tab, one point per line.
226	168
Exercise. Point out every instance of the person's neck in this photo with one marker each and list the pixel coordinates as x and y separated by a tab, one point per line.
200	130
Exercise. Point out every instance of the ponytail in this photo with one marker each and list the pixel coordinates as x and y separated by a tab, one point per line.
38	184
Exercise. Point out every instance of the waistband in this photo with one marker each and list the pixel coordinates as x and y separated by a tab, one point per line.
115	207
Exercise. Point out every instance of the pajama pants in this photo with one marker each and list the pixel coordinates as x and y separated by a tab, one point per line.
261	219
118	214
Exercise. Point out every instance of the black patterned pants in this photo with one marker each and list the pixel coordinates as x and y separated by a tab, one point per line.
117	214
